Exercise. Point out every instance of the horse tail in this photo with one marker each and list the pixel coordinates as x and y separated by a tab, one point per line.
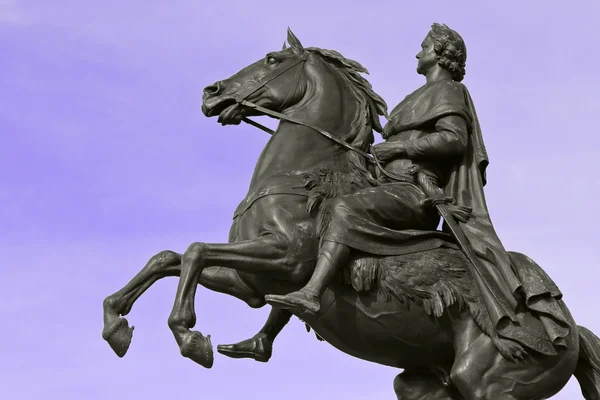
587	371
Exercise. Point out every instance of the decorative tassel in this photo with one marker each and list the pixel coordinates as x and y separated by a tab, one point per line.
460	213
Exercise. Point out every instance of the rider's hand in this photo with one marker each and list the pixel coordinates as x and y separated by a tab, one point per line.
389	128
388	150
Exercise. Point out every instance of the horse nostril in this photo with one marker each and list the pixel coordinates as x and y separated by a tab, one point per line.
212	89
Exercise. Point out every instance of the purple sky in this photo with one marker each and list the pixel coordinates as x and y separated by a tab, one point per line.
107	159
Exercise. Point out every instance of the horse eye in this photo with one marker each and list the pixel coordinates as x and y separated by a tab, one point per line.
271	60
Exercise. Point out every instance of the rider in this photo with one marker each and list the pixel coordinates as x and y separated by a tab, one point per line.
436	129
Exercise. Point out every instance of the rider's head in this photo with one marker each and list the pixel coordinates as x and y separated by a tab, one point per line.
450	49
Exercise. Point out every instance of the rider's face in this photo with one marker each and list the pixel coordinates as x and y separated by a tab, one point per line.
427	58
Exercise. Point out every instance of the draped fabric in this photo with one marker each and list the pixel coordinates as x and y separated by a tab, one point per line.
499	283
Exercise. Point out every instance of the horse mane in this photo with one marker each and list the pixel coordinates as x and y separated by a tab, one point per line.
371	106
324	185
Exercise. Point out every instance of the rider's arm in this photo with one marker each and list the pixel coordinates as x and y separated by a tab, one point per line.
448	141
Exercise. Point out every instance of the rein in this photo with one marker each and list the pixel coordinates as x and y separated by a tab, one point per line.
277	115
241	99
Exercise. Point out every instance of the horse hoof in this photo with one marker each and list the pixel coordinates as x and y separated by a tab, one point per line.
118	336
198	348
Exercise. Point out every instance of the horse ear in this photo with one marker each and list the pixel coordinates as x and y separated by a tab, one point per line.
284	46
294	42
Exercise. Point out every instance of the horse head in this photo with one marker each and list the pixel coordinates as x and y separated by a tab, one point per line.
274	82
286	79
319	87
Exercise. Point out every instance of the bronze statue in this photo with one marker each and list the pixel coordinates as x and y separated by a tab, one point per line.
348	241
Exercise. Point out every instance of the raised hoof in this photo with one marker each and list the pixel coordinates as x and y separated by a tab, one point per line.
257	348
118	336
198	348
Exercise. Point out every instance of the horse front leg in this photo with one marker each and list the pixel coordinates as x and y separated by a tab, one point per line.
269	255
167	263
116	330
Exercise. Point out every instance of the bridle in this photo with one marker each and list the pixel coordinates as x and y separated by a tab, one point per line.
243	94
247	91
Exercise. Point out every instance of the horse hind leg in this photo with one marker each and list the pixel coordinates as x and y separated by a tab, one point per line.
424	385
116	329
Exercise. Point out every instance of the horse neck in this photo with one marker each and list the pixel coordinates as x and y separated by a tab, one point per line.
295	149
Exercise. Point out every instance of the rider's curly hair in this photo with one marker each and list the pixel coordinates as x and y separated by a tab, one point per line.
451	50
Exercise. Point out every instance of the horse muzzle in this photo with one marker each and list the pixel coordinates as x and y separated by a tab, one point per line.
216	98
215	106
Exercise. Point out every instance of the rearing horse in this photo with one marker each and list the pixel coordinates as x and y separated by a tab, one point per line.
273	246
273	242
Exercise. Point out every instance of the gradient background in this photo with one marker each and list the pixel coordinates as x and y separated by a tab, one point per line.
106	159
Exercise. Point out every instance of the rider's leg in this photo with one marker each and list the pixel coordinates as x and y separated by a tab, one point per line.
364	216
332	256
260	346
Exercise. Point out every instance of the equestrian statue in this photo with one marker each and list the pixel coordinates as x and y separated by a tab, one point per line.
344	235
